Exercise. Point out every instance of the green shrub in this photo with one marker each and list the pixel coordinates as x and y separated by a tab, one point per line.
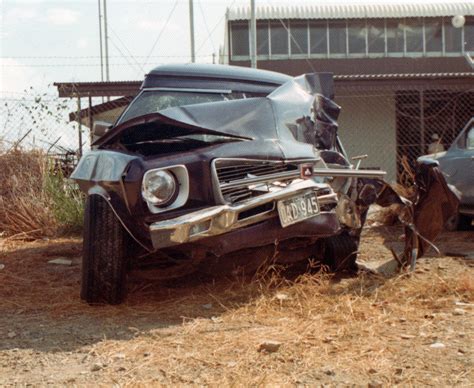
66	200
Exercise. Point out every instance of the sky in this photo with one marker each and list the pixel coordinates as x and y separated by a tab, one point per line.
46	41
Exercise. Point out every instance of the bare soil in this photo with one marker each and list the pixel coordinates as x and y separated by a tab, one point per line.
408	329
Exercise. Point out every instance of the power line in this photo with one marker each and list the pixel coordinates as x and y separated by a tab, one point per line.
126	48
90	56
207	27
162	30
97	64
120	51
212	31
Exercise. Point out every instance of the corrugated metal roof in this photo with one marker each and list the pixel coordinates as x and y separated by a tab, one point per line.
353	10
404	76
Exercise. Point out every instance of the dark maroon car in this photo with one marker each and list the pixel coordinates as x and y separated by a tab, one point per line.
213	167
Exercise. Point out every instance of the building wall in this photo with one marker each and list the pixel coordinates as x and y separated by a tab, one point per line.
367	125
296	67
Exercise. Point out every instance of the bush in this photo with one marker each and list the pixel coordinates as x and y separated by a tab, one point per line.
36	200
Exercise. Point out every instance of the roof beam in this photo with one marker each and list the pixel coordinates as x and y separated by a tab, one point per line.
97	89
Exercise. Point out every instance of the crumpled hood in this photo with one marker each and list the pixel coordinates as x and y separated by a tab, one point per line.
299	114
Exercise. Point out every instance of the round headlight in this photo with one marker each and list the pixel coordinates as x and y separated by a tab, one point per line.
159	187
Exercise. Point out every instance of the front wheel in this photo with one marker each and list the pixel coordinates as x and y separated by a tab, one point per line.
104	262
340	252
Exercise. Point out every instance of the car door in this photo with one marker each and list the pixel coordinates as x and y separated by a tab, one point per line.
458	165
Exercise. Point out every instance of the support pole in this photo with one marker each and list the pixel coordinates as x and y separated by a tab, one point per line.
91	120
106	41
78	117
191	30
253	35
422	123
100	43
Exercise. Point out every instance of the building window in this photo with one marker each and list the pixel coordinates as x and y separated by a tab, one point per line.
262	38
376	35
318	37
357	33
240	39
279	38
337	37
434	35
469	35
395	30
414	35
299	37
452	37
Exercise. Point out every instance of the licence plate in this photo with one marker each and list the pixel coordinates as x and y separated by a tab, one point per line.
297	209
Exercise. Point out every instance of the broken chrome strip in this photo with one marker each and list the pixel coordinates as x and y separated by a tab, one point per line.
327	172
224	218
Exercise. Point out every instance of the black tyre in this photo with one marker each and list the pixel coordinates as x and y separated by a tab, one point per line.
458	222
340	253
104	262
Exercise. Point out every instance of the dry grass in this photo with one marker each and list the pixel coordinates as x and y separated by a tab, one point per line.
35	202
332	330
24	207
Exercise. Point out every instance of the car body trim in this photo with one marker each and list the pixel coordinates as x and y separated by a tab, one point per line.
224	218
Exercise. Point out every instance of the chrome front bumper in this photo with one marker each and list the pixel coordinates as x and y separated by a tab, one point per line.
221	219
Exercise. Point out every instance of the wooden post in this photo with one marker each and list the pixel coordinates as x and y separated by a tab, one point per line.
91	120
78	117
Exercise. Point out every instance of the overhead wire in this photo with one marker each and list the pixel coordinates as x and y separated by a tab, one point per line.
120	51
217	25
209	37
125	47
162	30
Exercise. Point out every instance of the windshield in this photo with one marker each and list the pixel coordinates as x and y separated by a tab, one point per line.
152	101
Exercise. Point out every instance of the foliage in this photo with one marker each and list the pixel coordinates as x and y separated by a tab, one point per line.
66	200
36	200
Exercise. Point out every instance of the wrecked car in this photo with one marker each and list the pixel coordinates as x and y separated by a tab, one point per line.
214	167
457	165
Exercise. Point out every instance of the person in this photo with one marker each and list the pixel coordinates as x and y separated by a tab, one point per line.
436	145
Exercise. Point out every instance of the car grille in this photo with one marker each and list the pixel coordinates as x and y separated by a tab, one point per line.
229	170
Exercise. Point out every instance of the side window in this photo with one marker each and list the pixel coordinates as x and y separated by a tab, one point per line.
470	139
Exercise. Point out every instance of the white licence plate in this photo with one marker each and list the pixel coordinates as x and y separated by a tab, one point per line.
297	209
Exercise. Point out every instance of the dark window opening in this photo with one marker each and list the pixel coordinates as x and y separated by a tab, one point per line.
395	36
376	35
279	37
434	35
240	39
469	35
318	37
262	38
357	33
299	37
452	37
337	37
414	35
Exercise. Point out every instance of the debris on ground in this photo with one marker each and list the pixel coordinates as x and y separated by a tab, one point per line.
269	346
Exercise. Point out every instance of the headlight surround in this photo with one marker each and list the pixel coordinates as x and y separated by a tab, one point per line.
159	187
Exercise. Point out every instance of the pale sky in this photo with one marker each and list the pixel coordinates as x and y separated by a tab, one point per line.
43	41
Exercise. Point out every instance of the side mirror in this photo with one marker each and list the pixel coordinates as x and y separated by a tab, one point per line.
99	129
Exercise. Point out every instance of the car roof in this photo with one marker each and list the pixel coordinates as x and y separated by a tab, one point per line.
199	70
216	77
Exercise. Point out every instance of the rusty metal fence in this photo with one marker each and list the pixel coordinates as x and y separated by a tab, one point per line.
387	124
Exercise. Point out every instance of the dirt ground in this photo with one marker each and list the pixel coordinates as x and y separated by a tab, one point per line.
367	330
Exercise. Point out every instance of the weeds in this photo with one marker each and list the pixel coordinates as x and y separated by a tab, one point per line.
67	202
36	200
